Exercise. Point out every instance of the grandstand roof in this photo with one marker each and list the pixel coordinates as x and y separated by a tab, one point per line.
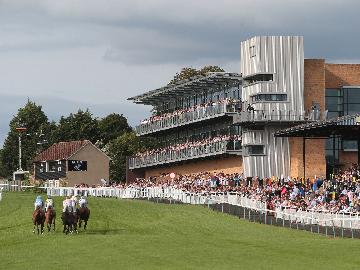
211	80
61	150
347	127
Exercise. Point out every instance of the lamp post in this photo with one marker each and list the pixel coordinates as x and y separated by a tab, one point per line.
20	174
20	130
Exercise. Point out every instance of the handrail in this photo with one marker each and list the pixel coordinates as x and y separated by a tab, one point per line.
198	114
172	155
279	115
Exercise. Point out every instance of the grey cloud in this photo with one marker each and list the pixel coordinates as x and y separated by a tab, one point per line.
155	32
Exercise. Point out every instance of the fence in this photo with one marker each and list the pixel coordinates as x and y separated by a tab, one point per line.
198	114
334	224
344	224
13	185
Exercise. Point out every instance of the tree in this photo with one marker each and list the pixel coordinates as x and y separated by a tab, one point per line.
188	72
2	167
34	119
111	127
126	145
78	126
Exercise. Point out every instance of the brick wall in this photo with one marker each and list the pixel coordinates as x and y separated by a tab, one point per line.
314	83
226	165
347	158
338	75
315	162
314	91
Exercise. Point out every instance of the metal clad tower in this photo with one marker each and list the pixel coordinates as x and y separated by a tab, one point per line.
273	90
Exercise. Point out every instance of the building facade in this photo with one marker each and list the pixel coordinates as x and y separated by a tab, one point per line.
76	162
277	89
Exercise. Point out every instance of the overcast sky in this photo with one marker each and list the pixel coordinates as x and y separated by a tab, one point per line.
72	54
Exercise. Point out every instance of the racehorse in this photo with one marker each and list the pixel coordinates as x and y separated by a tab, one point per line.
69	221
83	214
38	219
50	218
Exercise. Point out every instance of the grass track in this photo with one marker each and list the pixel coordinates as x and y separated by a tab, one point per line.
143	235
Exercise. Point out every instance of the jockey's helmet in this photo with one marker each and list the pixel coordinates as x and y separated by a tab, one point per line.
39	197
49	196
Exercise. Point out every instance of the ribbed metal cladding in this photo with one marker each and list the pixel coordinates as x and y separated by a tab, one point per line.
283	57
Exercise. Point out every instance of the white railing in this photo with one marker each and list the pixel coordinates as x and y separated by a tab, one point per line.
1	189
279	115
198	114
191	152
343	220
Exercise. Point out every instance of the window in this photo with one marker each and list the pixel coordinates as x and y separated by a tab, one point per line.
258	78
252	51
52	166
351	100
350	145
269	97
253	150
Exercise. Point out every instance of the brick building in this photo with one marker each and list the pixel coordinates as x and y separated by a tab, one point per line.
277	89
75	162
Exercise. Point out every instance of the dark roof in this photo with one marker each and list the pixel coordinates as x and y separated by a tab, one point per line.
61	150
185	87
347	126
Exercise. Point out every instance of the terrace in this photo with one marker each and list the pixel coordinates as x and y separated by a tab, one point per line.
184	152
192	115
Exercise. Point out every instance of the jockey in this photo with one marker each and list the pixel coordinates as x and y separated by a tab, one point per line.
83	202
49	203
39	202
66	204
73	203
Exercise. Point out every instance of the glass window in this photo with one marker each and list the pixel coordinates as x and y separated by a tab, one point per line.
352	94
333	92
350	145
254	149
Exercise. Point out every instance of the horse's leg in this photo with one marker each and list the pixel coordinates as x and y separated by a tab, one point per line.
34	228
54	224
37	227
42	228
80	223
85	224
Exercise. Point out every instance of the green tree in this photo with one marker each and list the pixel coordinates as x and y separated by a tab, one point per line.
3	173
77	126
111	127
34	119
119	149
124	146
188	72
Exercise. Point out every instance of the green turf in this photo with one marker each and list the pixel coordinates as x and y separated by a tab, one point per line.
144	235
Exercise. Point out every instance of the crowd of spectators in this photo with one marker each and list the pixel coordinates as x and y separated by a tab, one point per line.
341	194
189	144
156	118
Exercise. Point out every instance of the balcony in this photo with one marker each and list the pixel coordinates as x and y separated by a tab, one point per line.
180	119
171	155
278	116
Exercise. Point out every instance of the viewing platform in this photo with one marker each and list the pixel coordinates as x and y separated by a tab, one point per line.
201	113
260	116
171	155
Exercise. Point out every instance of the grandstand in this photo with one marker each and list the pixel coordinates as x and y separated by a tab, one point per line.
226	121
